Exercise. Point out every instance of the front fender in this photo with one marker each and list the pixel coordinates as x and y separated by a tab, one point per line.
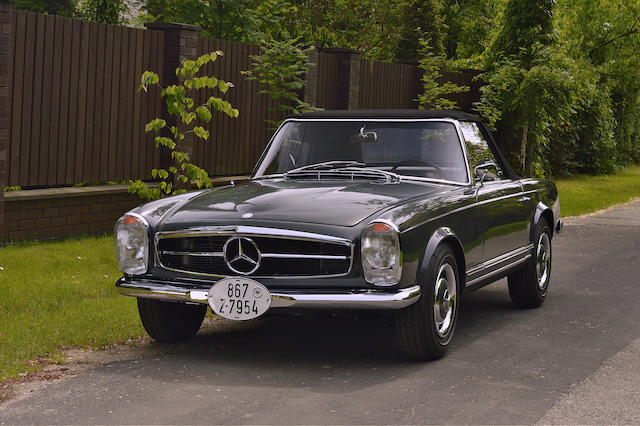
442	235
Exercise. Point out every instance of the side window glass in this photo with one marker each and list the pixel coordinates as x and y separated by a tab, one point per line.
477	146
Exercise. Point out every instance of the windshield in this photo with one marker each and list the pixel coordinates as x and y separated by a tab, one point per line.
426	149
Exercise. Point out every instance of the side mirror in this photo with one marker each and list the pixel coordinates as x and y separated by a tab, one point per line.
367	136
483	172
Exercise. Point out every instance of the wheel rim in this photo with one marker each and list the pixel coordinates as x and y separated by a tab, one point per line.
444	302
543	261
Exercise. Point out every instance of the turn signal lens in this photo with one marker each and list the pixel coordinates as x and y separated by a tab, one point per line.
381	255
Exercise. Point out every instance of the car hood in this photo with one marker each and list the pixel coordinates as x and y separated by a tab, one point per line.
329	203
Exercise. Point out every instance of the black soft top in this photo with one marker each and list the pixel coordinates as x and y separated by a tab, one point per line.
389	113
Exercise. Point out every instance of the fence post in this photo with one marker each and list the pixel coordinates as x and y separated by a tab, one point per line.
348	73
5	32
180	44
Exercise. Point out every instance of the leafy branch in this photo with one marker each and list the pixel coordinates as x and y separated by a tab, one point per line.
189	119
433	95
279	69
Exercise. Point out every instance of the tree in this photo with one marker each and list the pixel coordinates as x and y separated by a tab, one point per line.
53	7
434	93
522	85
422	19
238	20
469	28
279	69
105	11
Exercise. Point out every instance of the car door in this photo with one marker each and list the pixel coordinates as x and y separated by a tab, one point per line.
502	210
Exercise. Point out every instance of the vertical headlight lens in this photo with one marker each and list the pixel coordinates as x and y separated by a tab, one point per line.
132	244
381	255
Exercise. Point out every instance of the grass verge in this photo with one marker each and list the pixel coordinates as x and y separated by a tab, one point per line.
58	295
585	194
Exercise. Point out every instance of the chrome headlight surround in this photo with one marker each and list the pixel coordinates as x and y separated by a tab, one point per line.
131	240
381	254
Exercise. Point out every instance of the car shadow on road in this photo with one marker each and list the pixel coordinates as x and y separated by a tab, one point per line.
349	350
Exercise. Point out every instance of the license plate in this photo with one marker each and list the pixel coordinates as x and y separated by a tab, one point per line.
239	299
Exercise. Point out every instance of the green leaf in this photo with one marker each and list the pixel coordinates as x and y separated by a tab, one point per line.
201	132
156	124
204	113
222	86
164	141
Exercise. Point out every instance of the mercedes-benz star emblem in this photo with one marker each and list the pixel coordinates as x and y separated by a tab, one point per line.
241	255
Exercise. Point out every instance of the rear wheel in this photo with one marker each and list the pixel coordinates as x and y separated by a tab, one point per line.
425	328
169	321
528	286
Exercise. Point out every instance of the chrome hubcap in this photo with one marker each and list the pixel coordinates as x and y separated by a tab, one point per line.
543	261
444	302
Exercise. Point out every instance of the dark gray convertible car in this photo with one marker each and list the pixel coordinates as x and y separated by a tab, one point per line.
388	210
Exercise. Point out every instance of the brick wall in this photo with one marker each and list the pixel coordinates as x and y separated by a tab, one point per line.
63	212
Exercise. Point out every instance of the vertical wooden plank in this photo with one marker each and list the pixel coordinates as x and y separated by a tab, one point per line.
89	173
98	50
129	77
82	103
36	108
231	141
18	34
27	99
123	145
56	77
114	106
158	100
145	109
65	94
74	77
107	109
138	142
232	95
246	112
45	117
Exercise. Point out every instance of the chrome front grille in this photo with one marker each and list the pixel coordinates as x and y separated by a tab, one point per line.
279	253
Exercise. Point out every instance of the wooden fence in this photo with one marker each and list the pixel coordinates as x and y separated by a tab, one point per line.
76	116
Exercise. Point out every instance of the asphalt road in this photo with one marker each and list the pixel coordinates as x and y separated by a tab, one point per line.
579	351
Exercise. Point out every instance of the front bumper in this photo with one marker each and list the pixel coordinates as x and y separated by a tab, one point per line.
332	299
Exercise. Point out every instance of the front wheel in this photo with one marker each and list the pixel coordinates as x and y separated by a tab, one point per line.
169	321
528	286
425	328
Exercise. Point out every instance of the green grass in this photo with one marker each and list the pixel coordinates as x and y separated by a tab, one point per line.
585	194
56	295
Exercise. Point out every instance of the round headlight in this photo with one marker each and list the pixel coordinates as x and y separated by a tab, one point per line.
381	255
132	244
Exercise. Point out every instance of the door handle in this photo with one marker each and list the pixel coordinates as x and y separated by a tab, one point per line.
524	199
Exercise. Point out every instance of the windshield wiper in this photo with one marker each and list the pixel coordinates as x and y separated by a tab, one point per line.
327	165
352	170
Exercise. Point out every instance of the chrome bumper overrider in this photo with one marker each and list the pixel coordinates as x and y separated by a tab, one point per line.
352	299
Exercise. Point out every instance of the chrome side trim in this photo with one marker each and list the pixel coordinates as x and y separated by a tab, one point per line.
255	231
348	299
523	252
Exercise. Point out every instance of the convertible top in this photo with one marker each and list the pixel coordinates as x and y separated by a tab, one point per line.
389	113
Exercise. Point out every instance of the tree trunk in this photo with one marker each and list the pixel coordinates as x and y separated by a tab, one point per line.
523	148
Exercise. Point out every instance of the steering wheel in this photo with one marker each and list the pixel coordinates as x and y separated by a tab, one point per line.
416	163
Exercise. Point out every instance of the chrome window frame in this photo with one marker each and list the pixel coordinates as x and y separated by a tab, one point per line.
379	120
254	231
